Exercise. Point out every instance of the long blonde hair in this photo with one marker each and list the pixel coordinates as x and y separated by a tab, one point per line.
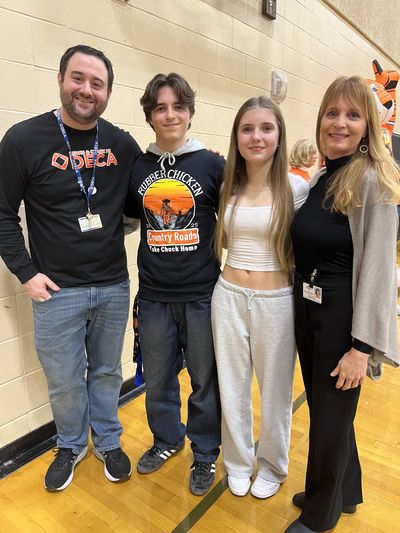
345	189
235	178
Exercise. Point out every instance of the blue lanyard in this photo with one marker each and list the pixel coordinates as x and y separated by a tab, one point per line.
89	193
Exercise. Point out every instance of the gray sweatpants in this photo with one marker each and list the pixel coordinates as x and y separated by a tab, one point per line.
254	329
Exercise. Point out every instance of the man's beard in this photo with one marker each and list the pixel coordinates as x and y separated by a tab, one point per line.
71	106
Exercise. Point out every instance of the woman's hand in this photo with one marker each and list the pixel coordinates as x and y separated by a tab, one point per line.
351	369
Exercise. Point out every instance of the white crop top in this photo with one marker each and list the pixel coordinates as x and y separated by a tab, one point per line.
248	248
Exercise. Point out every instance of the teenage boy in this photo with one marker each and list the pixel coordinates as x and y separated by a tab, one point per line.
175	187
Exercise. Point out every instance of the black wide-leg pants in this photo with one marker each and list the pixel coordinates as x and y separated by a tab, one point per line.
323	336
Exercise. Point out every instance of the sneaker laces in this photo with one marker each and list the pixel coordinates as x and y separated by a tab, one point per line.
116	455
202	468
62	457
155	450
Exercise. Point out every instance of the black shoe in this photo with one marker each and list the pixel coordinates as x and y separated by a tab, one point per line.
117	466
201	477
61	471
298	500
154	458
298	527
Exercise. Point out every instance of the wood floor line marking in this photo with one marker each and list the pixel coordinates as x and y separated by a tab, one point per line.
211	497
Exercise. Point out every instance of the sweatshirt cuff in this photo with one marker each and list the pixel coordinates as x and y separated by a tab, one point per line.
26	273
361	346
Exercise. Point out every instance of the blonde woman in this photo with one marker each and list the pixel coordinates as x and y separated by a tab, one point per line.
348	254
252	303
302	157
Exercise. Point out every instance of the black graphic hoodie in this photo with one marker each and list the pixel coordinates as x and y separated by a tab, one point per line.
175	195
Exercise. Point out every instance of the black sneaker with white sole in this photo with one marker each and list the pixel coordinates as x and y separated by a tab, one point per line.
202	476
117	466
61	471
154	458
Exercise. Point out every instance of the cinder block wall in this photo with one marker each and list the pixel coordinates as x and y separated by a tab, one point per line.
225	48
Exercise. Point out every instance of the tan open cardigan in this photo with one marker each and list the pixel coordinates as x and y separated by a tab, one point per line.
374	229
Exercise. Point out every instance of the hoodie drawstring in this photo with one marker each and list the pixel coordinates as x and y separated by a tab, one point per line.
163	157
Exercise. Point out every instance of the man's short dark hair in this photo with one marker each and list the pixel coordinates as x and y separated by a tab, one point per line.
184	93
89	51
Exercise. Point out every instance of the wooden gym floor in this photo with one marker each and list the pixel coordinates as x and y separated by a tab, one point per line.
161	502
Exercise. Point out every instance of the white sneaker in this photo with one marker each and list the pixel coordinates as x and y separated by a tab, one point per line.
261	488
239	486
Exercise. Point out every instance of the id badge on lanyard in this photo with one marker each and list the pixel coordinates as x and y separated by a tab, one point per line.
311	291
91	221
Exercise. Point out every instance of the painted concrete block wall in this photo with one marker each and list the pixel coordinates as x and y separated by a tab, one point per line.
377	20
226	50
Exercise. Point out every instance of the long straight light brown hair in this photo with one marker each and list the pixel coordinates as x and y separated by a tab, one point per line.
345	189
235	179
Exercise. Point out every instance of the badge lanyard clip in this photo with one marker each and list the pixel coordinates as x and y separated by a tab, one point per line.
312	278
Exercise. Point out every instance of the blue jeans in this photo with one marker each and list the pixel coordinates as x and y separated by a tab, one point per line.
164	328
79	335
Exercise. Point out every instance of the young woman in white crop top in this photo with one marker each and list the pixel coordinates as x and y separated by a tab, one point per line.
252	303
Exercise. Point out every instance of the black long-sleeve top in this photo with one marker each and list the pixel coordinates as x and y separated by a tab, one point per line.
35	167
322	238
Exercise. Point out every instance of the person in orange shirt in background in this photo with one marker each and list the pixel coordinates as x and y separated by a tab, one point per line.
302	157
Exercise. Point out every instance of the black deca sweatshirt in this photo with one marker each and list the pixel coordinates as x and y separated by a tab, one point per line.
35	167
